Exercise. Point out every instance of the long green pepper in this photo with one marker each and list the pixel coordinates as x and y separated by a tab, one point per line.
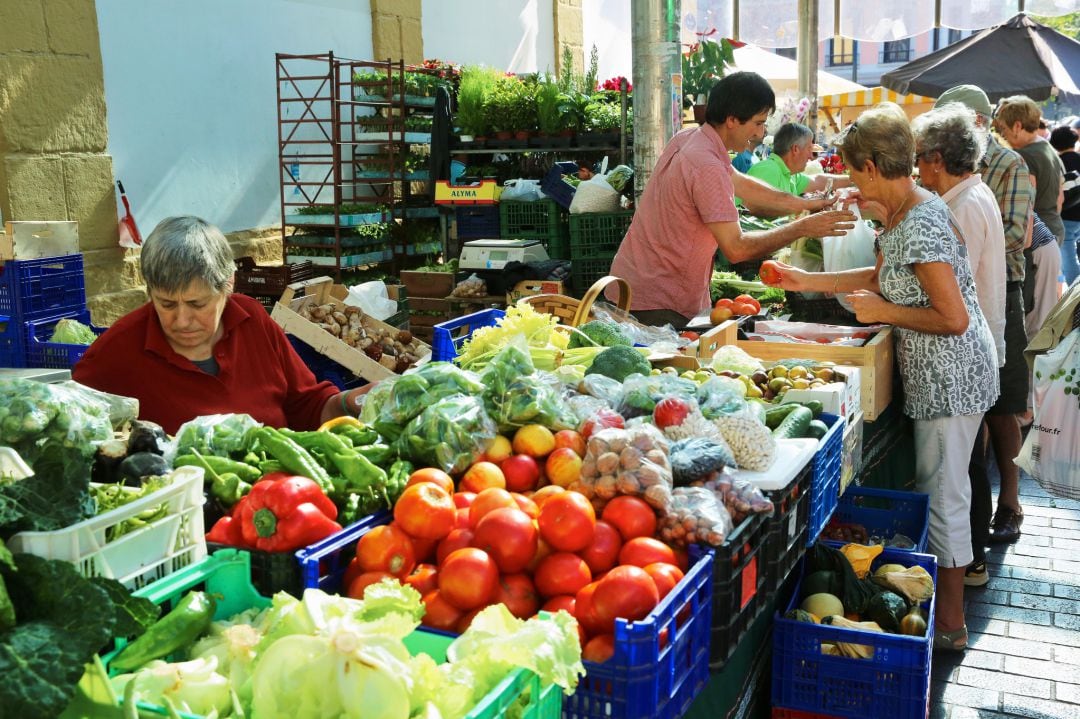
293	457
176	630
221	465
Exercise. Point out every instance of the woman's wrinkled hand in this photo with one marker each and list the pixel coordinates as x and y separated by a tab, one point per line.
867	305
790	278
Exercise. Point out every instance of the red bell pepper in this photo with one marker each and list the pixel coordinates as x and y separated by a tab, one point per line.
227	531
283	513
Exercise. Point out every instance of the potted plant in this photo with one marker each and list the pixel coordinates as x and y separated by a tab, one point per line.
702	67
548	116
574	109
500	107
524	115
603	118
476	84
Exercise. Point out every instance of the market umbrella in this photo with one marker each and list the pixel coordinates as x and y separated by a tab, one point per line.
1019	57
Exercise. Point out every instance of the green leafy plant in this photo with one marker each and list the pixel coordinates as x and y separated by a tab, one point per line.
501	106
476	84
593	73
523	116
602	117
703	66
575	110
549	118
566	71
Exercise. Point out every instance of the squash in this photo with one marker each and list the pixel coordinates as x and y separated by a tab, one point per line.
823	604
886	568
888	610
801	615
914	623
860	556
914	583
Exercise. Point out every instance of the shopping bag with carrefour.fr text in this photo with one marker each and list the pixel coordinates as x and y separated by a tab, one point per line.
1051	453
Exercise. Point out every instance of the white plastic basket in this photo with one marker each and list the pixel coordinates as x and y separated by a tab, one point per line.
149	553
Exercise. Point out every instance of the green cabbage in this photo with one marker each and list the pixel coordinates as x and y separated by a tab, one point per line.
72	332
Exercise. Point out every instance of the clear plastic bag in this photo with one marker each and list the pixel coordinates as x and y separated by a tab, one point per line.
641	394
220	435
630	461
608	389
121	409
472	286
659	339
516	395
34	414
698	459
740	497
694	516
721	396
450	434
394	402
852	250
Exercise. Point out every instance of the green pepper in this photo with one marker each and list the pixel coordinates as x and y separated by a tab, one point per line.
375	453
325	442
220	465
227	487
176	630
397	478
292	456
358	471
269	466
357	435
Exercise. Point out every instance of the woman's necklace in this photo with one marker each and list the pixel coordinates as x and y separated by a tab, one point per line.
894	215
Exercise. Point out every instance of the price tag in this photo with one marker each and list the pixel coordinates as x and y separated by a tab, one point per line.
749	582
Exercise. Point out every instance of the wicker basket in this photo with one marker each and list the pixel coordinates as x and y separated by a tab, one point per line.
574	312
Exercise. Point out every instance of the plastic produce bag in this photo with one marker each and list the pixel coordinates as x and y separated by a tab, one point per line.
659	339
521	190
449	434
720	396
740	496
630	461
472	286
394	402
695	516
595	195
121	409
605	388
35	414
516	395
640	394
220	435
854	249
1051	453
698	459
373	299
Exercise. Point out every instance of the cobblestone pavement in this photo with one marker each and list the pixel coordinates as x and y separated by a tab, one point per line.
1023	657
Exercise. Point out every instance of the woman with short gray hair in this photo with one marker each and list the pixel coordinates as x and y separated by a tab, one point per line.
197	349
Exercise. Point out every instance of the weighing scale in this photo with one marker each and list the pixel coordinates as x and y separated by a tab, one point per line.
496	254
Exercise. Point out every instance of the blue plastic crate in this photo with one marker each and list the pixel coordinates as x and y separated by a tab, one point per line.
893	684
448	336
554	187
477	222
643	680
12	352
326	369
885	512
740	573
42	353
825	481
45	287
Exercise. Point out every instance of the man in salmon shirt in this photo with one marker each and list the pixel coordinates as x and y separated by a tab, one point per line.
688	208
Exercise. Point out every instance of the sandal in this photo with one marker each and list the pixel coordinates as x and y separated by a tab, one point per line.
954	641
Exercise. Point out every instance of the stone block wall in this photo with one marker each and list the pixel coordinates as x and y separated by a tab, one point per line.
396	30
569	33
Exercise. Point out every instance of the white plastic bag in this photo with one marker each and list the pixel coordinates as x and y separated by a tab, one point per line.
372	298
595	194
521	190
1051	453
852	250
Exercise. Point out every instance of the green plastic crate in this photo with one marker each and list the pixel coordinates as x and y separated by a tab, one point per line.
585	271
227	574
542	220
598	234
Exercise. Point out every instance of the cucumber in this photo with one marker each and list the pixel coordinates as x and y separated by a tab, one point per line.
795	424
815	406
816	429
775	415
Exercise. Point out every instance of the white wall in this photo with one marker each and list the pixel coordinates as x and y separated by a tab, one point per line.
511	35
606	24
191	98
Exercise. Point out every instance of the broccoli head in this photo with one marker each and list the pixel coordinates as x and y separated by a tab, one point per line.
619	363
601	332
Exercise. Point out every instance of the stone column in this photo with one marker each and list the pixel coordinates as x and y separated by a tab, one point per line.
569	33
396	30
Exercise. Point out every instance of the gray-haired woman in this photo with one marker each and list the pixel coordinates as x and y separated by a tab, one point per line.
944	349
197	349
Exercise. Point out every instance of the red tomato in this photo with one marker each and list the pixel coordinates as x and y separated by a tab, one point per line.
424	579
627	592
632	516
770	273
585	612
509	536
544	494
363	581
462	500
463	519
457	539
599	649
563	602
543	549
434	475
467	578
526	505
725	302
603	419
491	498
439	613
642	551
665	576
682	560
568	522
519	595
691	336
749	300
561	573
744	309
388	549
425	510
603	553
423	548
352	571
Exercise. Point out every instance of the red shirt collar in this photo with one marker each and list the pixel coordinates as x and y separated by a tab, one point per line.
713	136
158	343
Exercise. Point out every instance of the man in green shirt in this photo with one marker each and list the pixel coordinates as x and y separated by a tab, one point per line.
793	147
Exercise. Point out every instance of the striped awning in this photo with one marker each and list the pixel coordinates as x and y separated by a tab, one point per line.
873	96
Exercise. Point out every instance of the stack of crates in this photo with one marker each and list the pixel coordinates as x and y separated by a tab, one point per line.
35	294
594	239
542	220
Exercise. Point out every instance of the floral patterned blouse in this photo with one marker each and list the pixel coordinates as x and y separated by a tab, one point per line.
943	375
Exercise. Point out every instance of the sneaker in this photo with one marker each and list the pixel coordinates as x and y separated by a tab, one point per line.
1005	528
976	575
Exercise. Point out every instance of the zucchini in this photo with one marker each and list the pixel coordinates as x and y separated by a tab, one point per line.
775	415
815	406
795	424
816	429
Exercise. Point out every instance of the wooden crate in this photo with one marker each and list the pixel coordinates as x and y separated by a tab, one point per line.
427	284
321	290
875	359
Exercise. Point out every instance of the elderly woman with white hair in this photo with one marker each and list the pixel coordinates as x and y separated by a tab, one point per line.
198	349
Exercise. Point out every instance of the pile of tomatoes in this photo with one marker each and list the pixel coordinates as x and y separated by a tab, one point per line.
741	306
549	551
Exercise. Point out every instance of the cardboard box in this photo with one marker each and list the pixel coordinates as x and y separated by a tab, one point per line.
843	398
874	359
485	193
531	288
321	290
852	461
31	240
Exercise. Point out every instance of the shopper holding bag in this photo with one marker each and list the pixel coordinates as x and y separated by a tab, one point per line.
944	348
